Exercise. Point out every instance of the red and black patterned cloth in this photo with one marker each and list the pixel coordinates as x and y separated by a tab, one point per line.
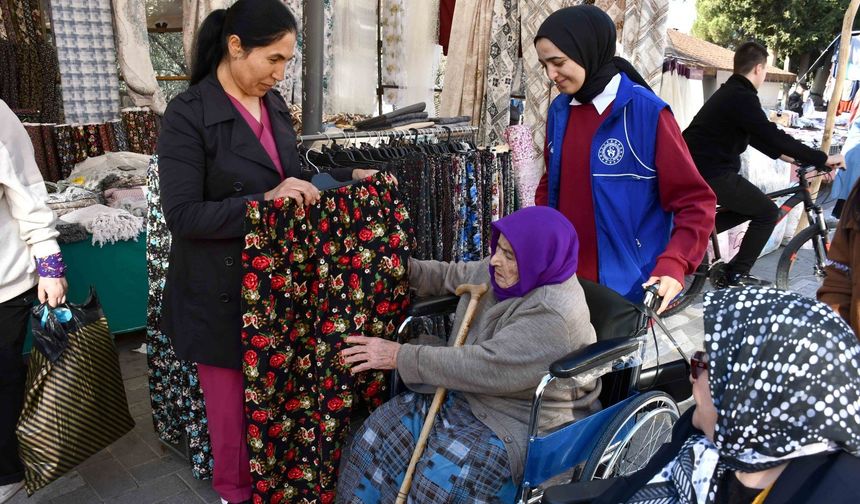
314	275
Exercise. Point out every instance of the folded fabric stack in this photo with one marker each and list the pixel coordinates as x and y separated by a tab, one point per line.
64	199
132	200
107	225
111	170
411	116
452	121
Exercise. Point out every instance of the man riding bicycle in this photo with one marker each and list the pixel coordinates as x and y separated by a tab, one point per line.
729	121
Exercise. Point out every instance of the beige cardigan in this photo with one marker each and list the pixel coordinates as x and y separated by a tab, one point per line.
509	348
26	221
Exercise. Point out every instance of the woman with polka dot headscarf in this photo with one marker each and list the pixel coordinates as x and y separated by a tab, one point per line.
777	415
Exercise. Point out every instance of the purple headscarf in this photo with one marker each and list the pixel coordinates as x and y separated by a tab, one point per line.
545	245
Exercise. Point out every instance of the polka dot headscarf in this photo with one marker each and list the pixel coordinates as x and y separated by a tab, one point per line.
784	375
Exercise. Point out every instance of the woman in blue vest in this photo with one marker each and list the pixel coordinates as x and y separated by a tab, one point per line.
617	165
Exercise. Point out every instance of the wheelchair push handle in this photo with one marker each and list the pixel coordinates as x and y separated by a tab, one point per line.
652	297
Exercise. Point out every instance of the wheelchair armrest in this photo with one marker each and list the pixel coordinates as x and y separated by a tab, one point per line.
423	307
592	356
582	492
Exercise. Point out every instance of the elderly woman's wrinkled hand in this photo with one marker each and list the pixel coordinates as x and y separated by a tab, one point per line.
366	353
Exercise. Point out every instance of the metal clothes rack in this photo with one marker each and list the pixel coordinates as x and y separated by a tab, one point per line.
412	132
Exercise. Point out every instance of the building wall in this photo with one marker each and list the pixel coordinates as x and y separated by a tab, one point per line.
768	93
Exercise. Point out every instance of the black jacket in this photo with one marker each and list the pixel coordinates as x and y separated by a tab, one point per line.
830	478
731	120
210	165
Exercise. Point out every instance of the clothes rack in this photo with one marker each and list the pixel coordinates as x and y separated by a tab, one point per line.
412	132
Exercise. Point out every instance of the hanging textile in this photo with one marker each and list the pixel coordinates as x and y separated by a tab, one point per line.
135	63
422	55
177	402
501	67
539	90
353	54
83	31
193	14
681	88
468	53
392	18
314	275
291	86
643	38
527	164
446	19
29	75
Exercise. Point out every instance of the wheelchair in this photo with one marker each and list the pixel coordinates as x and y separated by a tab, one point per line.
639	405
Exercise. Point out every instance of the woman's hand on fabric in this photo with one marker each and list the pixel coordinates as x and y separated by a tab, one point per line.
53	291
370	353
303	192
669	288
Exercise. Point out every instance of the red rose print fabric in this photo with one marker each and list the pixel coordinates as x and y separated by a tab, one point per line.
314	275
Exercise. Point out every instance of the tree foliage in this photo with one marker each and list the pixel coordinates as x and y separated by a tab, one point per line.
788	27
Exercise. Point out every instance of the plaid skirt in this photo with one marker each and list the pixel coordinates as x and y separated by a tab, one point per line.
464	462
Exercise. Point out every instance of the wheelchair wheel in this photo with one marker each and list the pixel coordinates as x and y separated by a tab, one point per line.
633	436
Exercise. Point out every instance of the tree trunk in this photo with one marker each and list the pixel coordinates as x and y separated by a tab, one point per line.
818	85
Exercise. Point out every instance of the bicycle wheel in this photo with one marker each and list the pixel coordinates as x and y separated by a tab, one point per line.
632	437
797	269
693	285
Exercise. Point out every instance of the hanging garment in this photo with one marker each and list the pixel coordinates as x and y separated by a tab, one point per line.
135	62
422	62
312	277
353	54
177	401
291	86
466	66
681	88
193	14
501	67
83	31
393	15
643	38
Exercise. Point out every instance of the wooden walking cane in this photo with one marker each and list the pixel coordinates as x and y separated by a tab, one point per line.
475	292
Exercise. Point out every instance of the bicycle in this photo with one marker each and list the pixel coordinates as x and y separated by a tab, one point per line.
818	232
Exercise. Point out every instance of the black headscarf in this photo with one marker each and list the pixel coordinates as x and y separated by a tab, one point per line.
586	35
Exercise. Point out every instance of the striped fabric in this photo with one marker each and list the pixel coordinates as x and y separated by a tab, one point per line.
73	407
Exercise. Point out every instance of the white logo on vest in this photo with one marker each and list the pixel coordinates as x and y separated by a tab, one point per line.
611	152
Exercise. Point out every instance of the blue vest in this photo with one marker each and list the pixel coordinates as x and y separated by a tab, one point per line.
632	227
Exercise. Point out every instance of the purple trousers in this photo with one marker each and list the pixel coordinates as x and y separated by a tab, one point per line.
224	393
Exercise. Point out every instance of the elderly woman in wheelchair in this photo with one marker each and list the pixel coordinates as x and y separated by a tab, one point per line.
777	415
535	312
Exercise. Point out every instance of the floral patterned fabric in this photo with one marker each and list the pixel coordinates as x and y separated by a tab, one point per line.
177	399
312	277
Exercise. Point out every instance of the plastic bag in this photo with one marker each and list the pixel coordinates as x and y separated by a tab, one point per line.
51	326
74	405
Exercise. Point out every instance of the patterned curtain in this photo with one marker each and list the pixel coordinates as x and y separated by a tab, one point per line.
193	14
501	67
643	38
135	63
468	54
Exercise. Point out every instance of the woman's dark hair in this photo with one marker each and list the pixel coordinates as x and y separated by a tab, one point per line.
257	23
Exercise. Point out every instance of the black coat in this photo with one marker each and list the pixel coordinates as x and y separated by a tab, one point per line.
830	478
210	165
733	119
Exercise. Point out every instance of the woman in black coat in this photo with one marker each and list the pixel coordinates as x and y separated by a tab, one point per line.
225	141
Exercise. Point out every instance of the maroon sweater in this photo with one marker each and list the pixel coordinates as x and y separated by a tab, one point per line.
682	192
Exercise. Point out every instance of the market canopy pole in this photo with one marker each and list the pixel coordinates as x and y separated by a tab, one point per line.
312	73
841	70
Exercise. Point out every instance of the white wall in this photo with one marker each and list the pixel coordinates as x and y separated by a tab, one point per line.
768	94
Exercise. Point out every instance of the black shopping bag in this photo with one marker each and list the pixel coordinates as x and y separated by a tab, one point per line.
75	403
